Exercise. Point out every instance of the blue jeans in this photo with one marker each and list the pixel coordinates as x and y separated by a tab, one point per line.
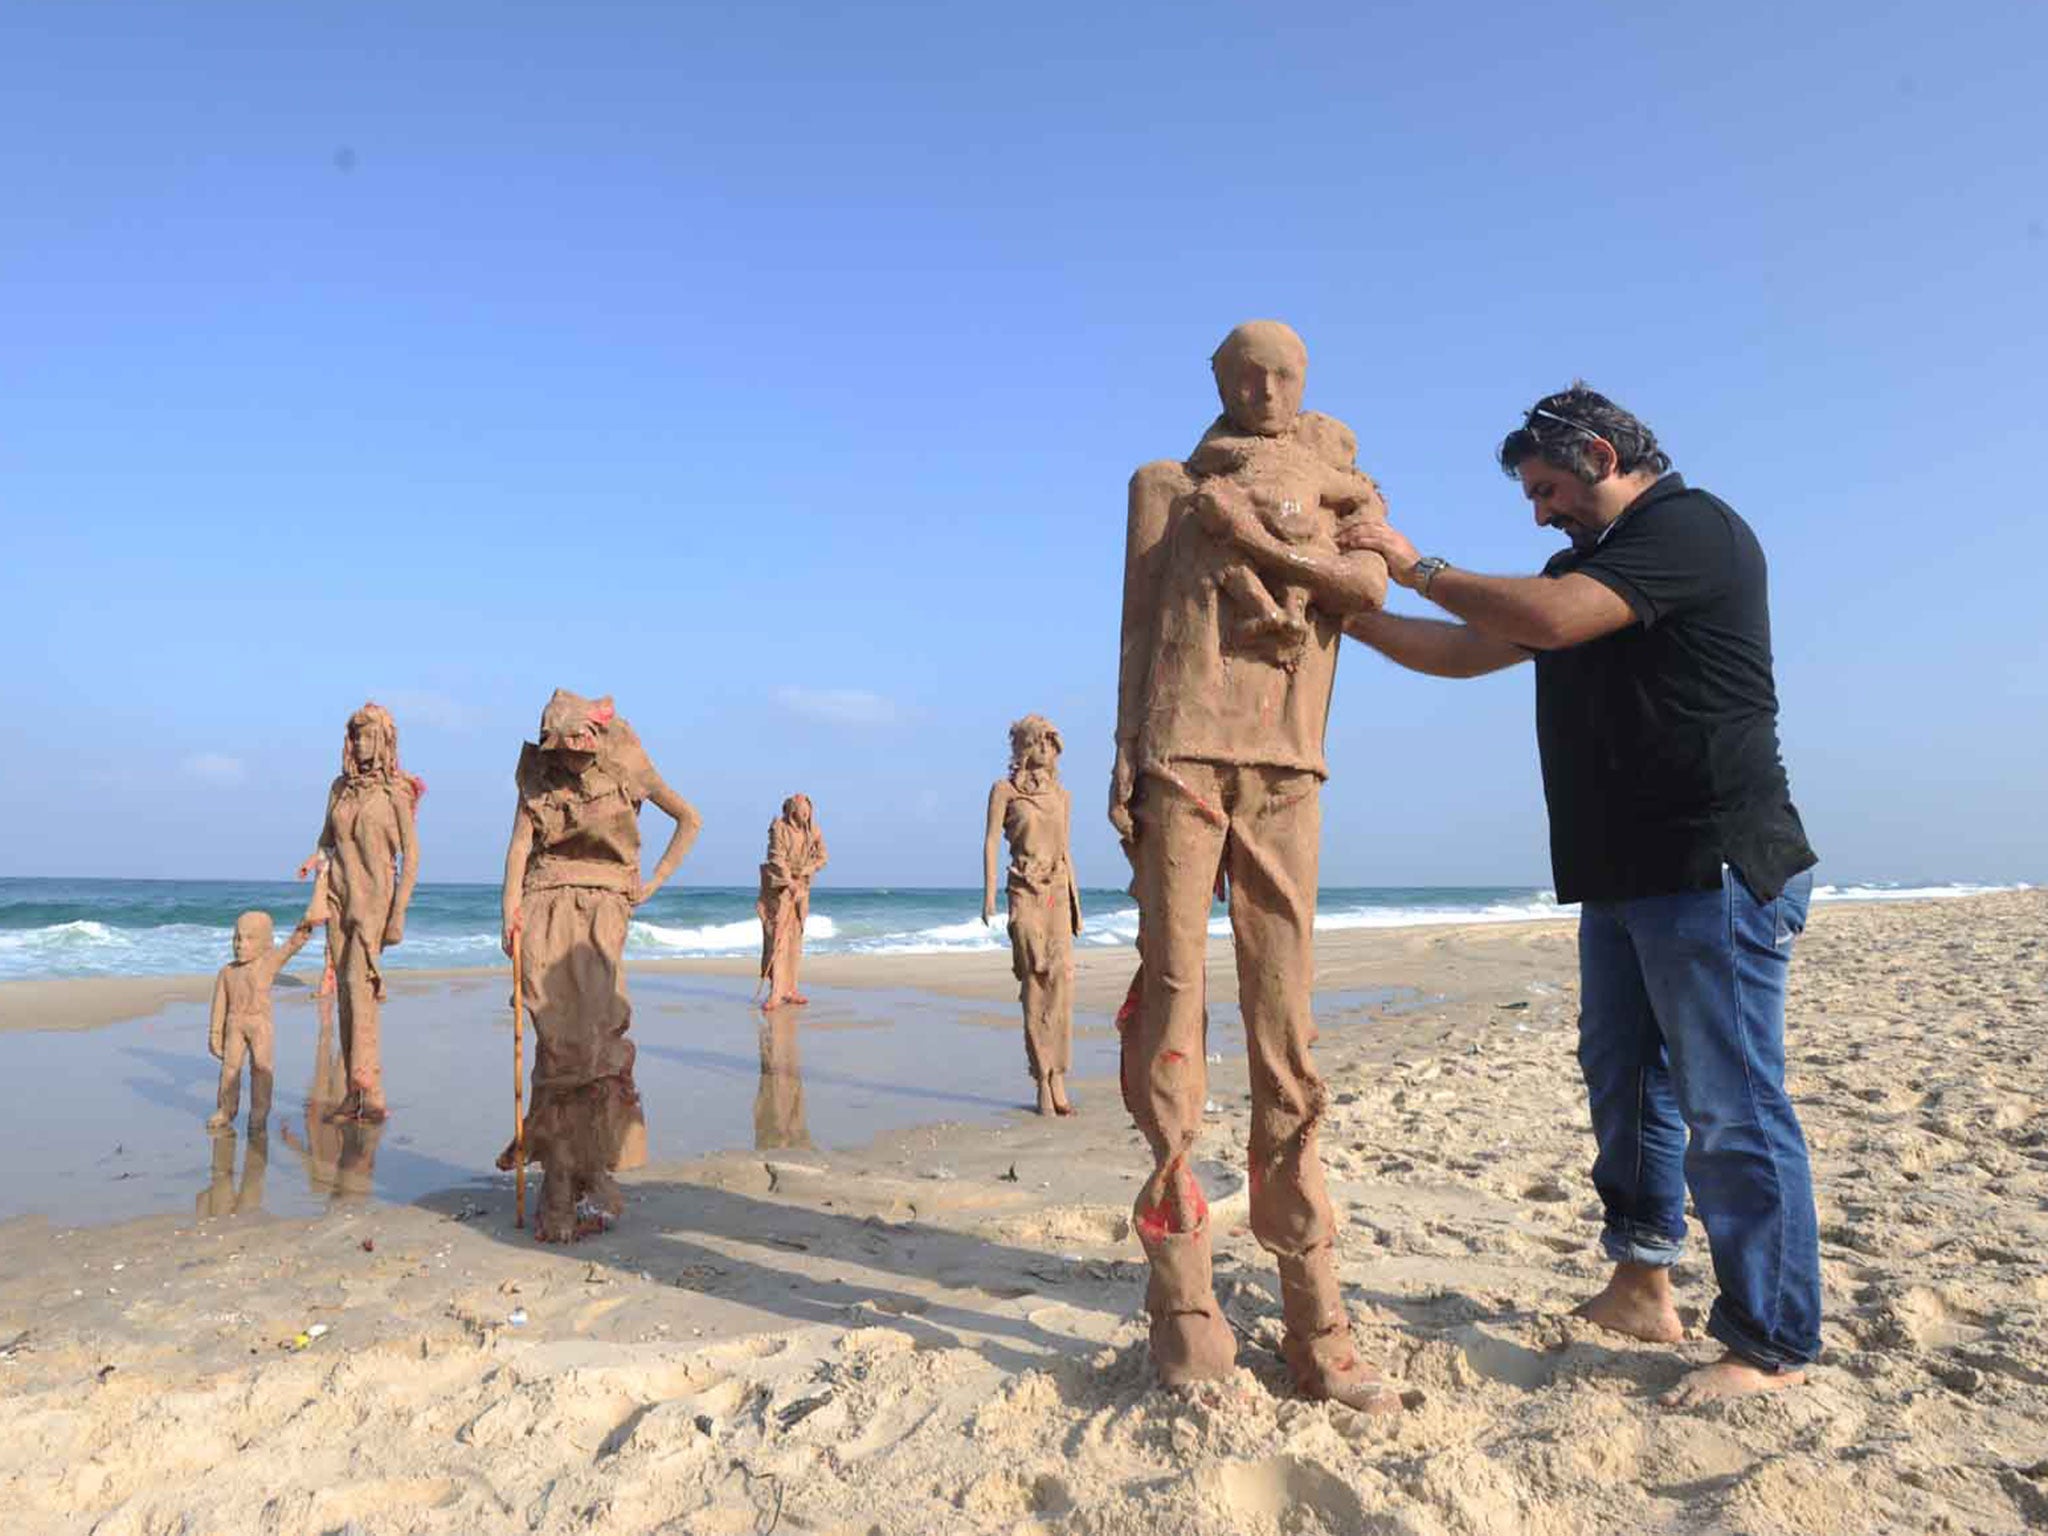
1682	1030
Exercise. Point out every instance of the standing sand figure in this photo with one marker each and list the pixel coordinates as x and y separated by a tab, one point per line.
1033	810
371	867
796	852
318	866
572	879
239	1026
1219	770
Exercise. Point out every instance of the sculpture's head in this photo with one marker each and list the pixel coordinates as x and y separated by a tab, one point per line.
797	809
1034	744
371	747
1261	370
253	934
572	727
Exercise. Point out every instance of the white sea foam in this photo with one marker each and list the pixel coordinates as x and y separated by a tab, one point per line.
1909	892
735	938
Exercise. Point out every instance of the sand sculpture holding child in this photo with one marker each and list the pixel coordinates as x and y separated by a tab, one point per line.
572	879
1034	811
1234	592
240	1027
369	863
796	852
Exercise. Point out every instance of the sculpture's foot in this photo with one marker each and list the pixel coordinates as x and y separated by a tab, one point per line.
1057	1082
555	1221
1046	1106
1327	1369
1188	1347
797	1000
603	1194
1276	628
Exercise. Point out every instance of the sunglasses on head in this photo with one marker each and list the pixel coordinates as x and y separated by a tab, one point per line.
1566	421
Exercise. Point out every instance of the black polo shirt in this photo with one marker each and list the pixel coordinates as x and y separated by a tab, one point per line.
1660	741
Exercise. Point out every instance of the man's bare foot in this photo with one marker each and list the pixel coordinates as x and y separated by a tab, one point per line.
1729	1376
1637	1302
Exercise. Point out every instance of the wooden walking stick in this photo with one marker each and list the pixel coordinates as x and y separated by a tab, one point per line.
518	1090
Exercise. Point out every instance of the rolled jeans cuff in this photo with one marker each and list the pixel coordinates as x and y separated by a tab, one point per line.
1629	1243
1757	1351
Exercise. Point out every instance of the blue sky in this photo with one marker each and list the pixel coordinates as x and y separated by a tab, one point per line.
778	369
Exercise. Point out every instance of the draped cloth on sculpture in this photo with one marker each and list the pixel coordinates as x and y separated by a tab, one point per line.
795	854
575	907
1044	908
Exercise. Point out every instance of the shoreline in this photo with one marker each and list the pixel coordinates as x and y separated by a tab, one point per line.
91	1002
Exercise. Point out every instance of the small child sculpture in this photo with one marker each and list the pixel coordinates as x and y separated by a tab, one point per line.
240	1024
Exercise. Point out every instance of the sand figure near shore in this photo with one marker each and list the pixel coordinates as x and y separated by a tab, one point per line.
572	879
371	864
239	1026
796	852
1219	768
1032	809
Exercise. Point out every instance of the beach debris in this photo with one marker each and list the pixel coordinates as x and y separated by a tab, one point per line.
469	1210
103	1373
793	1244
1510	1007
793	1414
1010	1177
517	1317
369	1245
18	1345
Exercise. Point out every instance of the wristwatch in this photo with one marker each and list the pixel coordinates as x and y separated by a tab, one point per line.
1426	570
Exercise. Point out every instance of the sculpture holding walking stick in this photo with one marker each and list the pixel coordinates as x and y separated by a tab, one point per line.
518	1093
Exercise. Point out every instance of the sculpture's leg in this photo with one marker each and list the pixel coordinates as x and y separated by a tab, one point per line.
232	1049
356	987
1274	839
262	1075
1059	1005
1180	840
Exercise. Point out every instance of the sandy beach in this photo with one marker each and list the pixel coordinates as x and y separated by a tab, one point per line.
939	1330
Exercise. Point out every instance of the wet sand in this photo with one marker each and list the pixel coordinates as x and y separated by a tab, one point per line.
939	1330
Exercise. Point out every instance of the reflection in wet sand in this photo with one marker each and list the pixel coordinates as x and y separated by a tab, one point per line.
779	1101
222	1195
339	1151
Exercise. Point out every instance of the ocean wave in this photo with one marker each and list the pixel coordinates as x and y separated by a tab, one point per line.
734	938
1910	892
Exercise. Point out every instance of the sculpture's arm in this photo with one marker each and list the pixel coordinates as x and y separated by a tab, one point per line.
281	955
326	842
688	823
408	864
1342	584
217	1016
1153	491
1067	839
517	853
991	837
820	858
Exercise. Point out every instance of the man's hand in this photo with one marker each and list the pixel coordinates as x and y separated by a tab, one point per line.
1358	535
